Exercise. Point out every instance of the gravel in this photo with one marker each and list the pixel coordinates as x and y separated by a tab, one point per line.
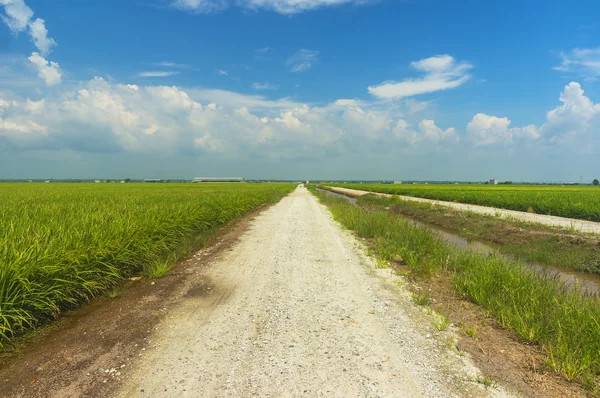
296	308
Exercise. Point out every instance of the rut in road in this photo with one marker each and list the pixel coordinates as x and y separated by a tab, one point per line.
296	308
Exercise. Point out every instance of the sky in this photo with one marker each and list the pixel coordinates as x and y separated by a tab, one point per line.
300	89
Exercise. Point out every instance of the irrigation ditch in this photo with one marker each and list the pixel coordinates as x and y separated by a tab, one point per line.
531	326
586	283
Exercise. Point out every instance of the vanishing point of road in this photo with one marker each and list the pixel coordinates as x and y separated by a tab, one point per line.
295	308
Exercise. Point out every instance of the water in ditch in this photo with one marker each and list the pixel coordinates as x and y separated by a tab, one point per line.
587	283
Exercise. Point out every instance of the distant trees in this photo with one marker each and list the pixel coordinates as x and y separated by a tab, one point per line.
596	182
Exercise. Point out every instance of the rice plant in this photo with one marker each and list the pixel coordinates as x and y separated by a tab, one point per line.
64	244
581	202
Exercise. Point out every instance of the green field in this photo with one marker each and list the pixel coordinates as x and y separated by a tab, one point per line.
63	244
581	202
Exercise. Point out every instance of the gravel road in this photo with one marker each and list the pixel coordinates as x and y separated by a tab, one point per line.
553	221
296	308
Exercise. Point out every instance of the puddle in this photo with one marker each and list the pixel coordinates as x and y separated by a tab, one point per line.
587	283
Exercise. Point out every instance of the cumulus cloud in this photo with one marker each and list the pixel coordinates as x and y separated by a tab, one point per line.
577	116
106	117
48	71
442	72
427	133
39	35
158	74
302	60
18	16
485	130
584	62
285	7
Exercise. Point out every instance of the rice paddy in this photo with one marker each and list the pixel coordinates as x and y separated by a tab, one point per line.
64	244
581	202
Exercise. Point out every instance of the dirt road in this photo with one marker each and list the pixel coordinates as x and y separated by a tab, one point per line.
553	221
296	309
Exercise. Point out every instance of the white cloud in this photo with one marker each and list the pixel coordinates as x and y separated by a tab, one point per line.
19	18
201	6
265	86
221	72
288	7
427	134
302	60
347	102
17	15
285	7
48	71
484	130
433	133
581	61
158	74
106	117
39	35
578	116
235	100
442	72
167	64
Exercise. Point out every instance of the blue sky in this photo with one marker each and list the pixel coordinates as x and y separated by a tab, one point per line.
415	89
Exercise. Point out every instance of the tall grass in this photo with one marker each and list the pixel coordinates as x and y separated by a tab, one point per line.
63	244
574	202
543	311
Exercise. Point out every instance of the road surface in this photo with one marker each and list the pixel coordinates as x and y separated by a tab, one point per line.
295	308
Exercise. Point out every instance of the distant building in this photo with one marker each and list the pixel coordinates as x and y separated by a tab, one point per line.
397	182
218	179
493	181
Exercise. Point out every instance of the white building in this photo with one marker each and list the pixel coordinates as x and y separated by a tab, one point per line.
218	179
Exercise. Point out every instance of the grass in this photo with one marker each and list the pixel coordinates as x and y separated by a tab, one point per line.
443	323
533	243
422	299
579	202
486	381
64	244
470	331
542	311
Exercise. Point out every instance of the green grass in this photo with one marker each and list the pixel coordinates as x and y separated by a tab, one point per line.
422	299
443	323
64	244
563	322
486	381
533	243
581	202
